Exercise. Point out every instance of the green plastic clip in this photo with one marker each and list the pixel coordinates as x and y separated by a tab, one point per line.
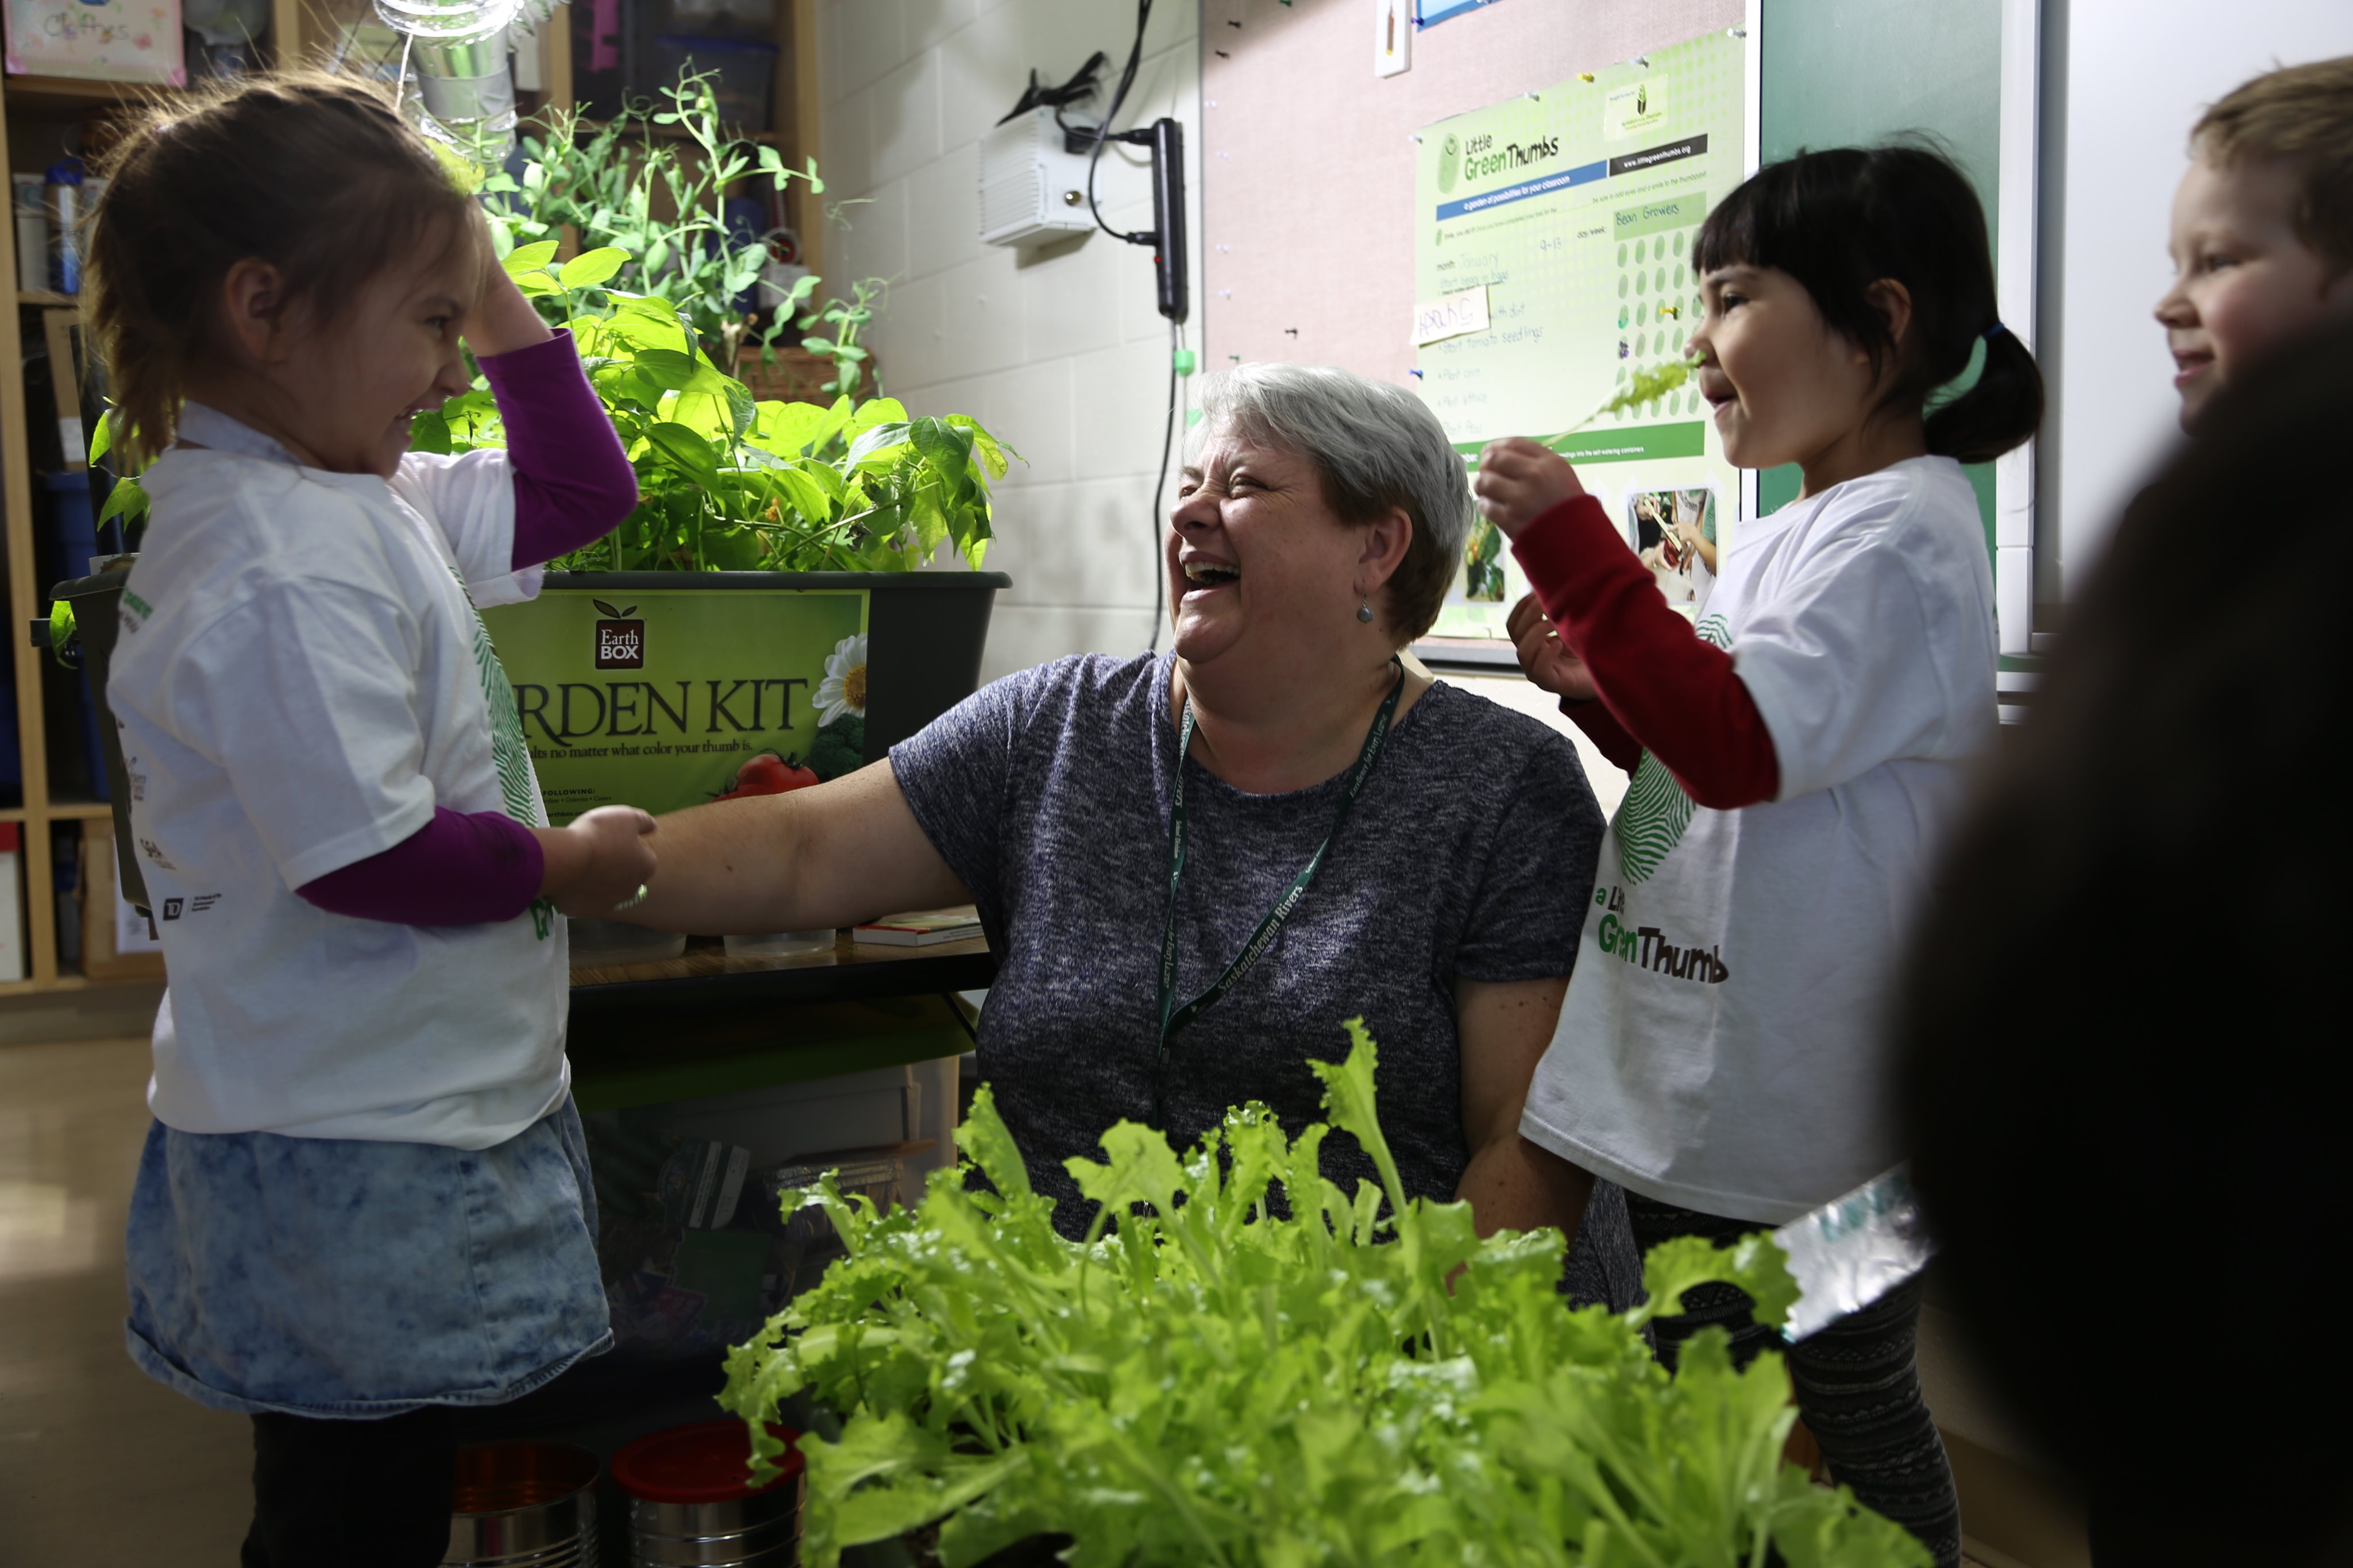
1185	362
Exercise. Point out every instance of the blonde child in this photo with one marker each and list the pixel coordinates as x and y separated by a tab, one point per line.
363	1200
1719	1053
2262	227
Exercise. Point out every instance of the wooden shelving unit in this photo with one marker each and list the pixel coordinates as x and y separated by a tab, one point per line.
33	111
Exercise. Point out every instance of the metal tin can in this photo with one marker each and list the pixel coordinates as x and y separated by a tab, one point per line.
523	1505
691	1504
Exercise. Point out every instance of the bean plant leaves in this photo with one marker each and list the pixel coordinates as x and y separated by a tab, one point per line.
591	267
1242	1365
726	483
533	258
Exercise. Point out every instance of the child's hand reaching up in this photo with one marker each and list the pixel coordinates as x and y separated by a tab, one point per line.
599	862
1519	481
1544	659
500	320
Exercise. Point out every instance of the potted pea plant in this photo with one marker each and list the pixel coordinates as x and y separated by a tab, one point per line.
763	598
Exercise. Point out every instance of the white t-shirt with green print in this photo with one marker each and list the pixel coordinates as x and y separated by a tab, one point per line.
302	678
1722	1046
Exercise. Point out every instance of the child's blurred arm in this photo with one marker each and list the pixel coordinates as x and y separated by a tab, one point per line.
467	868
1678	697
573	481
1545	660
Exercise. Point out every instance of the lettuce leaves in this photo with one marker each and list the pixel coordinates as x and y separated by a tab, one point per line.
1205	1381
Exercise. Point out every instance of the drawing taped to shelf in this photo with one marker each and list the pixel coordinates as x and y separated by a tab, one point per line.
108	40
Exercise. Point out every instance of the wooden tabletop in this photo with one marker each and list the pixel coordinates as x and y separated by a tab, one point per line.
705	978
705	1024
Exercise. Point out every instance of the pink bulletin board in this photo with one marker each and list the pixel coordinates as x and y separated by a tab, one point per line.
1307	166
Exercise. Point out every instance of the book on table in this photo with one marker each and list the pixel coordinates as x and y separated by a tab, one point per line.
920	928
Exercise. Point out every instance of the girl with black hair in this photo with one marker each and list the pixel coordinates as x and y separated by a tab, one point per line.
1720	1054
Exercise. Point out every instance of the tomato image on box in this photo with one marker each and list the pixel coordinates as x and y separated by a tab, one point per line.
659	698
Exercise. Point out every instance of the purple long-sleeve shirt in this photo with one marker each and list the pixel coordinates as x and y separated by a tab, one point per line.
573	484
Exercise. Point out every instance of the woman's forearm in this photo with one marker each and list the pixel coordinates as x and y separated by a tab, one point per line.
1512	1184
834	855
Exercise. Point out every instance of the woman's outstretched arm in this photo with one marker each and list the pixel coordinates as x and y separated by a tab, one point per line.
832	855
1505	1028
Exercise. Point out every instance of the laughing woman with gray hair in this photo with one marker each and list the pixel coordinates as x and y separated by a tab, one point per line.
1108	813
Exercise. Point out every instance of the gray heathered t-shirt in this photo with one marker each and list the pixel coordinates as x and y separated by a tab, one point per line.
1470	855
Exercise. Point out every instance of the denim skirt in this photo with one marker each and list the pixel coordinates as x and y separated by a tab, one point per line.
343	1278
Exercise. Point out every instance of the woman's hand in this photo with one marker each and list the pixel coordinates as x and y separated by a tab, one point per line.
1519	481
1544	659
597	863
830	855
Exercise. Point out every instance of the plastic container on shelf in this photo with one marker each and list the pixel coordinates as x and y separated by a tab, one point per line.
12	901
523	1503
691	1501
780	944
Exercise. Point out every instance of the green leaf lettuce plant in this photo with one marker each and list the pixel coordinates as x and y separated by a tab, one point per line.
1216	1376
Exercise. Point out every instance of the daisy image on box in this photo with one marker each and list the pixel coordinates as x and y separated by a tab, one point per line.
843	689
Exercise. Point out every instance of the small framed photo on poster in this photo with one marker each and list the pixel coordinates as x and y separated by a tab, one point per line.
1674	532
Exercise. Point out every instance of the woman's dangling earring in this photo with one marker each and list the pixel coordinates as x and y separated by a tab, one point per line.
1364	612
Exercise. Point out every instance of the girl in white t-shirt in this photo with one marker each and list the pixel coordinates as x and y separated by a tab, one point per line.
1719	1053
364	1201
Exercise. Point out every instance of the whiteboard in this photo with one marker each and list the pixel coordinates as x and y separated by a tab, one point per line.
2122	85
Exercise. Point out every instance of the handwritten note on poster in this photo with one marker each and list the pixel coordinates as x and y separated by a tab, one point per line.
1452	316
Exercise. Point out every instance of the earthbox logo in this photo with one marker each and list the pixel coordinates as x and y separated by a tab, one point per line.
620	641
1449	161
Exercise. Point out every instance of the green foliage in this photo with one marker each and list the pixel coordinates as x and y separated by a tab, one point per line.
128	498
727	483
1203	1381
613	183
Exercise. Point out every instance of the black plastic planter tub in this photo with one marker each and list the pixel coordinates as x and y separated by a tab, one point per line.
925	635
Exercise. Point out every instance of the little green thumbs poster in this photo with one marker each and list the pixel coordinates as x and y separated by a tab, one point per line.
1574	209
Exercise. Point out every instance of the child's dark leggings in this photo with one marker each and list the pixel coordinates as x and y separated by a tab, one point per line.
1858	1386
353	1494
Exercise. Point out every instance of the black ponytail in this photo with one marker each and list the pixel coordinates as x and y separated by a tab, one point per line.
1838	221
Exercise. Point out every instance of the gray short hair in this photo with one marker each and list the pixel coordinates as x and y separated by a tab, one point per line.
1377	446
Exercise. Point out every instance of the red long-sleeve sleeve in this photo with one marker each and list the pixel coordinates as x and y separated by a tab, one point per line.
1677	697
1608	735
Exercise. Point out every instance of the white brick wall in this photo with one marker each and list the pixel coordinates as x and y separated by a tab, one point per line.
1059	350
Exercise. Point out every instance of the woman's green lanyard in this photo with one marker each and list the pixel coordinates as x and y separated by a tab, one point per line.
1174	1018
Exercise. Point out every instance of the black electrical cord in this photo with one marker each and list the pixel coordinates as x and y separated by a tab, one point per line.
1103	131
1159	489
